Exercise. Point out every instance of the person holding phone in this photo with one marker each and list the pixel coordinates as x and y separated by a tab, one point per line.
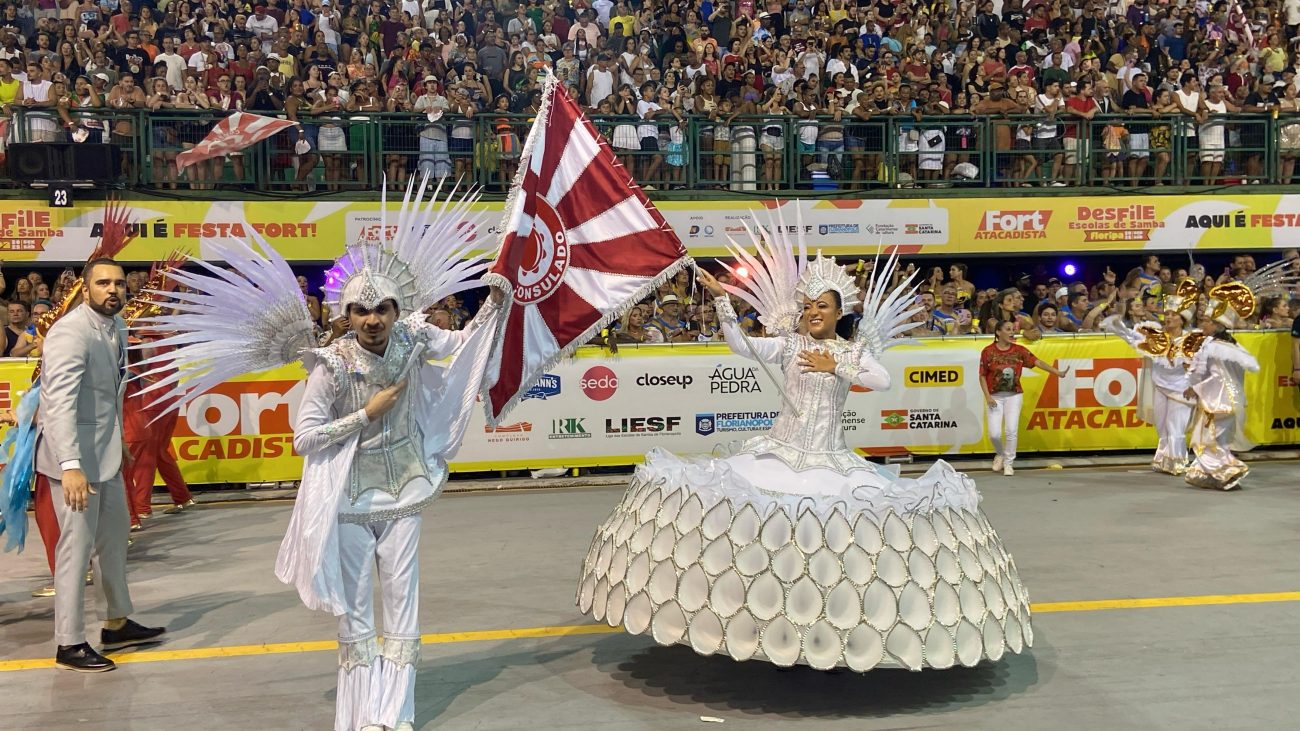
1001	363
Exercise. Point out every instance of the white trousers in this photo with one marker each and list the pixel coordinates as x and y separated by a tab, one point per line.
1004	424
377	687
100	531
1172	418
1215	466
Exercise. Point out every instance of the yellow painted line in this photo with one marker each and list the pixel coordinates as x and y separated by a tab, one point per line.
523	633
1165	601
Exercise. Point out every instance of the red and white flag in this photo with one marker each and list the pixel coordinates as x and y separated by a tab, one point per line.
581	245
232	134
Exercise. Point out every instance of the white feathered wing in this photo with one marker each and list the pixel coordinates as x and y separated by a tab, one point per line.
228	323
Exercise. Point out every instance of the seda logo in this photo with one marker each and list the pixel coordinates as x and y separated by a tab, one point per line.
599	383
1013	225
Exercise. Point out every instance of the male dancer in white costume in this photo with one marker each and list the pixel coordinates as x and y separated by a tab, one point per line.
376	425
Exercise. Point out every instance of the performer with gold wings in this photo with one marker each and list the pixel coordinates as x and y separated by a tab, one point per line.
1217	374
1165	398
791	547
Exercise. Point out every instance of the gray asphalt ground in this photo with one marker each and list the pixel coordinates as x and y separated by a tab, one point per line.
508	560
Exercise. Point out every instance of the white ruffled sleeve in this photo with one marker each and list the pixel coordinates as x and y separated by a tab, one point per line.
865	371
768	350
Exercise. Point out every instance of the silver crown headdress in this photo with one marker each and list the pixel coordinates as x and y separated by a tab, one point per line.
253	317
823	275
426	256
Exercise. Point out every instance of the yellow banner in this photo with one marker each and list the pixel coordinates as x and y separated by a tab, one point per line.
318	231
600	410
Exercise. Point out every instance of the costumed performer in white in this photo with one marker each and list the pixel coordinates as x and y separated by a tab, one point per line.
793	548
376	427
1165	397
1217	374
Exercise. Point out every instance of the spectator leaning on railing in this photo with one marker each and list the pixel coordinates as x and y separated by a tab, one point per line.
865	93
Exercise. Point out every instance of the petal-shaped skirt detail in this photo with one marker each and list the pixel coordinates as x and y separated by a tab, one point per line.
743	556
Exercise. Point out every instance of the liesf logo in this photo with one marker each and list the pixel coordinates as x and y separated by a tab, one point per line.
599	383
893	419
1014	225
932	376
546	387
569	428
251	419
636	425
648	380
1096	393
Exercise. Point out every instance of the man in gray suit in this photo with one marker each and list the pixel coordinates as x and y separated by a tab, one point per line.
79	448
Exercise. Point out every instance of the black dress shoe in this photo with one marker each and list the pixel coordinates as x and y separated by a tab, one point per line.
83	659
130	633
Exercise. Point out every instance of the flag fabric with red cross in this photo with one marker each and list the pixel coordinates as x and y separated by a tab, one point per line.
581	245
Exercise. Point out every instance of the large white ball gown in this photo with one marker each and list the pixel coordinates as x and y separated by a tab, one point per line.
792	548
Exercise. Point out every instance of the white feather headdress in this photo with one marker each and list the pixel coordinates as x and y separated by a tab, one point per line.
254	317
426	256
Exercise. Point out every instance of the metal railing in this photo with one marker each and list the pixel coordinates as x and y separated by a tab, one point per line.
777	153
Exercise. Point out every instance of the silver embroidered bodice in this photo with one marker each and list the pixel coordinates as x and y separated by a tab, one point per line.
810	435
389	457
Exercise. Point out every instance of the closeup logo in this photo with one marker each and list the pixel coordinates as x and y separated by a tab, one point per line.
599	383
704	424
932	376
893	419
546	387
1014	225
648	380
569	428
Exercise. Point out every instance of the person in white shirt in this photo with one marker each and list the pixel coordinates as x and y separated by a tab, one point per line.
36	95
600	81
175	64
263	27
602	8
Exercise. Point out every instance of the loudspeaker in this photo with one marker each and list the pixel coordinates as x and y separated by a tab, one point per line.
30	162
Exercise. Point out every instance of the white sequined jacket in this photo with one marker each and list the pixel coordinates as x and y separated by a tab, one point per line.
389	477
814	436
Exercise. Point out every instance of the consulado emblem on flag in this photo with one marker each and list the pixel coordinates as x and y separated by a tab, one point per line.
581	245
232	134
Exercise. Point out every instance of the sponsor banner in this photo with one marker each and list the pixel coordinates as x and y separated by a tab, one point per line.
317	231
595	409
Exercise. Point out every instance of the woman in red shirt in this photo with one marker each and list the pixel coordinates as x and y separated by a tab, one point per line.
1000	366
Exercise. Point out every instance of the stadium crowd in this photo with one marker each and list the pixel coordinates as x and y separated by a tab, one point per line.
736	79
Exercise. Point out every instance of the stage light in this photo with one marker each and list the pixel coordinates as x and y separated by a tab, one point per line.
742	272
1069	269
